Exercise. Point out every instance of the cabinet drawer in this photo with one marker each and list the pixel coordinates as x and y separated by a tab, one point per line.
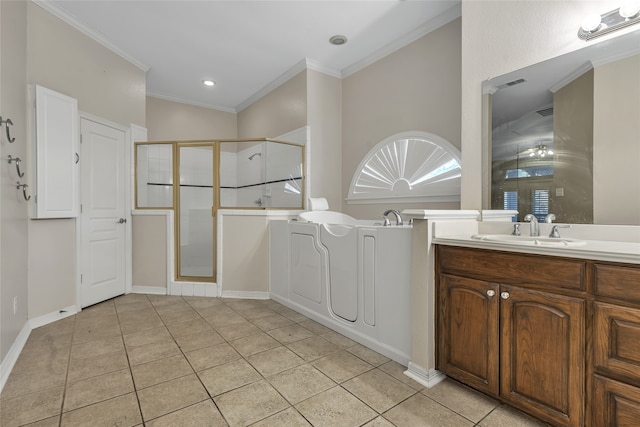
512	268
617	282
616	341
614	403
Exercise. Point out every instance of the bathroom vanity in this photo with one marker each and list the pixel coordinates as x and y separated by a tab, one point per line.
555	336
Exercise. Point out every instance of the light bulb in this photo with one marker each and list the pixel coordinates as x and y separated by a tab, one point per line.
550	152
630	9
591	23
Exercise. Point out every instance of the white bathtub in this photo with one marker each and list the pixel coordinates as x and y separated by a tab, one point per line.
353	278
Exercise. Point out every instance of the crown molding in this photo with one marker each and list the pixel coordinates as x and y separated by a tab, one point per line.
89	32
571	77
437	22
185	101
302	65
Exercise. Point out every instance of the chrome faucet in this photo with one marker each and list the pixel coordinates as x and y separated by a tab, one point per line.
533	225
396	213
554	230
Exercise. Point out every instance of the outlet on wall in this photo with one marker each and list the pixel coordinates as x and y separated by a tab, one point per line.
15	305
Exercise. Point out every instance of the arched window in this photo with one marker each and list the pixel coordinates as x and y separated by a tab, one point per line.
408	167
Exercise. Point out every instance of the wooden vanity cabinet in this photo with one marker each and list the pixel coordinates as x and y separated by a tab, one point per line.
513	326
615	387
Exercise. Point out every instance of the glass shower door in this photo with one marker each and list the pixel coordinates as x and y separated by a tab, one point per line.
195	235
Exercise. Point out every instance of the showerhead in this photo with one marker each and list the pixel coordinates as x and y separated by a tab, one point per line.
253	155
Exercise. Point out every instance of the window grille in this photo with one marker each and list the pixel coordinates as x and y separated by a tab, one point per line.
408	167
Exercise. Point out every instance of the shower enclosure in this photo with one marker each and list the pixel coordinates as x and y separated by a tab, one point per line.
261	174
196	178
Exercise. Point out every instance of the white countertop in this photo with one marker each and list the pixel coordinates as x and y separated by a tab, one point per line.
601	242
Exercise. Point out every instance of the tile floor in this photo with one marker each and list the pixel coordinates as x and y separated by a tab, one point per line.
190	361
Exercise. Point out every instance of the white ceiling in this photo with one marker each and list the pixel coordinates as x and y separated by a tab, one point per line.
248	47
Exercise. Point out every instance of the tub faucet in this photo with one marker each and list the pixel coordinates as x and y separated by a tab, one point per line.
533	225
396	213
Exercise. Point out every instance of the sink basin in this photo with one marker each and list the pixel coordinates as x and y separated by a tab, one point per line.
557	242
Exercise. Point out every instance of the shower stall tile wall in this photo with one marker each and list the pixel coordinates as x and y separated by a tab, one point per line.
260	174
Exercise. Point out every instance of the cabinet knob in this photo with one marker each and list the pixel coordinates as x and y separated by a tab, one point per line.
491	292
505	295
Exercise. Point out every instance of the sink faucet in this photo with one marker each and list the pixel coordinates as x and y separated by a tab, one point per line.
554	230
396	213
549	218
533	225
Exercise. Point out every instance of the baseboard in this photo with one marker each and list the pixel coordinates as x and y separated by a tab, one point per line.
246	294
45	319
193	289
151	290
14	352
426	377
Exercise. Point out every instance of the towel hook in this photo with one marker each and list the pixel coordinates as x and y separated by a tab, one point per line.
17	160
24	190
8	123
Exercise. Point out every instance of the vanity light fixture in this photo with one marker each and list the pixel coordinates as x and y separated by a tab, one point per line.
208	83
597	25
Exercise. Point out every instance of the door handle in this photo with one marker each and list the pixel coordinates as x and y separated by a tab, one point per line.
122	220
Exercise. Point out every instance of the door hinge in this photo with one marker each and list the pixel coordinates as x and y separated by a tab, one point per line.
81	278
80	207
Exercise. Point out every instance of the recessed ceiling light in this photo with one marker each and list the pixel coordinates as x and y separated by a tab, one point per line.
338	40
208	82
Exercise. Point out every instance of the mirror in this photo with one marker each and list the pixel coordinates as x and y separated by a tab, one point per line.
565	136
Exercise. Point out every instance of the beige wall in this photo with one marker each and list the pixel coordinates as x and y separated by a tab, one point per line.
324	112
415	88
280	111
67	61
174	121
616	142
503	36
63	59
13	208
245	260
149	251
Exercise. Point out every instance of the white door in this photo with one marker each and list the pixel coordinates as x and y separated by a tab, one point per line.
102	216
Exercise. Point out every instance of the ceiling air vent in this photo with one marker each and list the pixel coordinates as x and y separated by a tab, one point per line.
546	112
511	83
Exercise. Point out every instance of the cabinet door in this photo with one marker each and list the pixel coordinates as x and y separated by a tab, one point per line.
614	404
616	341
542	362
469	331
56	148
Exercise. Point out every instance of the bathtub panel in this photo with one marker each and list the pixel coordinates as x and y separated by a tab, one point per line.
305	273
382	266
369	279
341	242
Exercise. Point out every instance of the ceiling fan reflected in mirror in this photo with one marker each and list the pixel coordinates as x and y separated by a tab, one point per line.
539	151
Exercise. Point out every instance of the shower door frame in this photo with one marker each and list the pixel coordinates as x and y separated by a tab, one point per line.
176	208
